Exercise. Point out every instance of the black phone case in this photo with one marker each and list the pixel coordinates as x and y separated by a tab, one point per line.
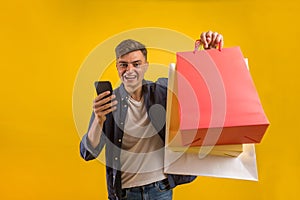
102	86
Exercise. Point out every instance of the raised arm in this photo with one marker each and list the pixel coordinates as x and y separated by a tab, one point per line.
90	146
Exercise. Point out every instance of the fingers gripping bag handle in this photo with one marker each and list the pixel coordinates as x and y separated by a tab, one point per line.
198	44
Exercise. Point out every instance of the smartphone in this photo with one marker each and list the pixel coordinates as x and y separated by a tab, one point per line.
102	86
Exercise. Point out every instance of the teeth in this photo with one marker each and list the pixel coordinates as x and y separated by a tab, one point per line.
130	76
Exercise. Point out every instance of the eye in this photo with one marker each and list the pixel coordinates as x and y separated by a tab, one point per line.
123	65
136	64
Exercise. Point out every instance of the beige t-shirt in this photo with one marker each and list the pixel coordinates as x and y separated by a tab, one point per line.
142	154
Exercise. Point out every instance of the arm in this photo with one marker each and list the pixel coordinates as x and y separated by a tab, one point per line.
93	142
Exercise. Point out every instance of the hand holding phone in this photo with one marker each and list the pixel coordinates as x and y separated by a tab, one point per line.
102	104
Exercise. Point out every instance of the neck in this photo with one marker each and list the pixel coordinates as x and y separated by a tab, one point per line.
135	93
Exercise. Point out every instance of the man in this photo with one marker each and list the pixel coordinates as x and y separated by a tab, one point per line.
130	123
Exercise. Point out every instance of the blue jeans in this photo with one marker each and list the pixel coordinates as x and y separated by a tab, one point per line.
159	190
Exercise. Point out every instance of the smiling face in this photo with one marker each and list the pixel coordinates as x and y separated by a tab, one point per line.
131	69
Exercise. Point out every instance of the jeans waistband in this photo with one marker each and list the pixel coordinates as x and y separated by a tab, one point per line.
145	187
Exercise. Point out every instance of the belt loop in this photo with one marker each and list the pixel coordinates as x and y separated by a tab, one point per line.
156	183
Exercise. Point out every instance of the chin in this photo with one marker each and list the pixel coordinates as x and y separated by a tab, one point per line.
132	84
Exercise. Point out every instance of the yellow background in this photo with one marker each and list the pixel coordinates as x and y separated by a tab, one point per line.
43	44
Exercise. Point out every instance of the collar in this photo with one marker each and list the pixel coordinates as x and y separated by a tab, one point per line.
124	94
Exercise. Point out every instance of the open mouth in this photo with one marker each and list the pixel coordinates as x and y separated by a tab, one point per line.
130	77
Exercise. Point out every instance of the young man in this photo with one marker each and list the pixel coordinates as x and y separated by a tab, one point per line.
131	124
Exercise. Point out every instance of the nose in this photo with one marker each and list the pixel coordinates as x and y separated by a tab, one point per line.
129	67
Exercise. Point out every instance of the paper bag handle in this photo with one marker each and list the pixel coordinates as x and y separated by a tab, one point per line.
198	44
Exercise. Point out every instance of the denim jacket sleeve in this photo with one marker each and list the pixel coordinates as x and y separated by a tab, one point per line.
87	151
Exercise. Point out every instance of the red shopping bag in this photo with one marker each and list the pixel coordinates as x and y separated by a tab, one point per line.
217	99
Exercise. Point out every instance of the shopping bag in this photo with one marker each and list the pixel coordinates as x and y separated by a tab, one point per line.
217	100
241	167
174	139
203	161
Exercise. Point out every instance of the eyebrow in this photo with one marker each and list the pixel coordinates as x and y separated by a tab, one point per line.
129	62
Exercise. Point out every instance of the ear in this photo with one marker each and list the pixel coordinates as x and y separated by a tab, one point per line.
146	66
117	62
